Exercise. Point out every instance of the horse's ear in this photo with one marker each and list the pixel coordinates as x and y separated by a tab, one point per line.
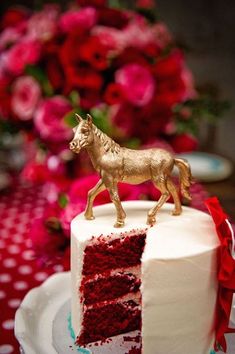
78	118
89	120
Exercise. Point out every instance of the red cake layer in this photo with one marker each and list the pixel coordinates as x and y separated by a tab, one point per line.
107	321
118	253
109	288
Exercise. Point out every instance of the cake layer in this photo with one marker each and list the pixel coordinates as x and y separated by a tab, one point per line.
109	320
108	288
107	254
136	297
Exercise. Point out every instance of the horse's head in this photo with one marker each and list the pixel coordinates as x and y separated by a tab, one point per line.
83	134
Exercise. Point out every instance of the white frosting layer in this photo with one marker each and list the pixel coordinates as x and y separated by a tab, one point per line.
179	286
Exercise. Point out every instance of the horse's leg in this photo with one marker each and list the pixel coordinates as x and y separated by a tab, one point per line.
121	215
99	187
173	190
159	183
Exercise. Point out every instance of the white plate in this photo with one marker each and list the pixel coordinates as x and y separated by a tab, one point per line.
208	167
45	306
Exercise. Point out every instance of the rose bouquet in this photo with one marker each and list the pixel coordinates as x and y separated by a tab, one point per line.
121	66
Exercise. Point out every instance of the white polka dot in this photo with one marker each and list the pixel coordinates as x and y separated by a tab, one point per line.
28	243
28	255
8	324
58	268
25	269
18	238
5	278
2	244
9	222
14	303
6	349
2	294
14	249
9	262
40	276
20	285
21	228
4	233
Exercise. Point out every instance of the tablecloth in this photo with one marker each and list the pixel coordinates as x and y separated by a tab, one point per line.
19	270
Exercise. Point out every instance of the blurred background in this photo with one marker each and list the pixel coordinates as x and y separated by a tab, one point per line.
151	74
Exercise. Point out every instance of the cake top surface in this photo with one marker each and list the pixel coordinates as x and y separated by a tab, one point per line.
191	233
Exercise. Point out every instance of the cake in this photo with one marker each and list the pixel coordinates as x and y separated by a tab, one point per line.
161	280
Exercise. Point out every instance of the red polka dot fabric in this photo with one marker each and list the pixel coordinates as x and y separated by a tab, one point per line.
19	270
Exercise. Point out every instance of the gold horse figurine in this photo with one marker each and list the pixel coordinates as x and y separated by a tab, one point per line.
119	164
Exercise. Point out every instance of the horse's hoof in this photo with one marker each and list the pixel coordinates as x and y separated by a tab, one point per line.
176	212
151	220
119	224
89	217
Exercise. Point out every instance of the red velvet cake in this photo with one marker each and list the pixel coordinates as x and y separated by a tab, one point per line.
110	286
160	280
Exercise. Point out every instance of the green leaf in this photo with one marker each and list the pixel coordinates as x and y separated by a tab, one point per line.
63	200
100	119
74	98
70	119
133	143
39	74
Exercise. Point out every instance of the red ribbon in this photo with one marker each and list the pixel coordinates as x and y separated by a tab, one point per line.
226	273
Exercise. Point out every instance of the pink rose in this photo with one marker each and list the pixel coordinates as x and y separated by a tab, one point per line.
79	189
68	213
78	198
72	19
49	119
25	98
22	53
9	36
43	25
47	236
189	83
137	83
162	35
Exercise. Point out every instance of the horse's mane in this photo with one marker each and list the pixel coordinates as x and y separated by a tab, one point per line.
108	143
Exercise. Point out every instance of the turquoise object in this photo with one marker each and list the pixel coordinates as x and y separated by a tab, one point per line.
212	352
72	334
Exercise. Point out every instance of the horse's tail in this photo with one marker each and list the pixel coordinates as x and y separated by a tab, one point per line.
185	177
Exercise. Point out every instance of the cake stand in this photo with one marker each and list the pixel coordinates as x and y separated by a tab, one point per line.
42	326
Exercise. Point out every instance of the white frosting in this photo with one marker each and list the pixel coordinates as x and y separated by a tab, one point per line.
179	286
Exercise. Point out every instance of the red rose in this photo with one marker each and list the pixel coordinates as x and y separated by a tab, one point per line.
114	94
170	65
94	52
184	143
131	55
86	78
5	102
69	50
13	17
95	3
112	17
55	72
89	98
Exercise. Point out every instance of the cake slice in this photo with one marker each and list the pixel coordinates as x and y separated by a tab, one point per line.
160	280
